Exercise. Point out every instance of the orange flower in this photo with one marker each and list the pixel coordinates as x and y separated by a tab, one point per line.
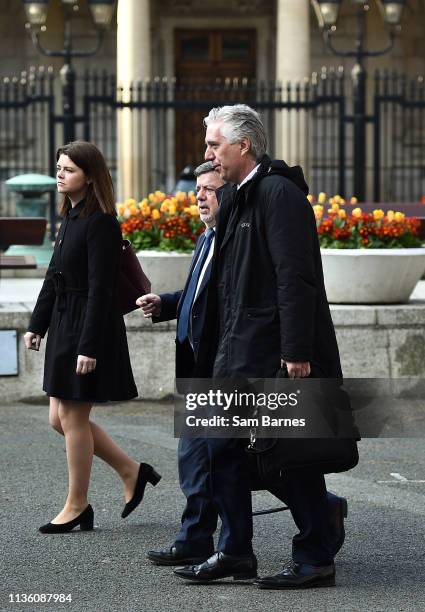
357	213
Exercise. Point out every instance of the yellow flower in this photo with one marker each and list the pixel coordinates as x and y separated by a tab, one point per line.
318	211
399	216
164	206
133	209
130	202
156	214
144	202
321	197
146	211
353	200
194	210
357	212
341	213
172	209
378	214
390	215
310	198
335	207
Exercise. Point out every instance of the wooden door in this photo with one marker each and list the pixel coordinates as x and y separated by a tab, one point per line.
205	58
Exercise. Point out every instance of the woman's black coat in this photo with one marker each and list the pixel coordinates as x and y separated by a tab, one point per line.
78	304
267	282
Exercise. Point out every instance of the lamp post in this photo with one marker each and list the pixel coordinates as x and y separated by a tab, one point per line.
36	12
327	16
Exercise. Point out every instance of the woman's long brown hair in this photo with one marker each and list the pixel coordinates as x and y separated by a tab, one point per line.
100	190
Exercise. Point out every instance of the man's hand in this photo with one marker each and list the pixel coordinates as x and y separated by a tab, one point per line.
296	369
32	341
85	365
150	304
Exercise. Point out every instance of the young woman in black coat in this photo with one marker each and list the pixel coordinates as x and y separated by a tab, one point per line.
87	359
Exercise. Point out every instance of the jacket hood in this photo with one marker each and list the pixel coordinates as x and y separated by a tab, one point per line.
278	166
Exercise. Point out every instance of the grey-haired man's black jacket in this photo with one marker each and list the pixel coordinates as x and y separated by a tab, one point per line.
267	281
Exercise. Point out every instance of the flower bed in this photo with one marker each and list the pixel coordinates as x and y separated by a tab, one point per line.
360	230
368	258
161	222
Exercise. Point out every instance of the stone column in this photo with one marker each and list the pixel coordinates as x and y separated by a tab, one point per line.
133	64
292	64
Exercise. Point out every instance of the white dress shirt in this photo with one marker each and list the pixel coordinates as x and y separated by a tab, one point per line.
249	176
205	266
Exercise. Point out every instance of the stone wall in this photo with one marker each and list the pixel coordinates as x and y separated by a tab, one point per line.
17	52
374	342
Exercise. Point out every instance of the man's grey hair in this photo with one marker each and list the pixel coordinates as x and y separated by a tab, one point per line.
240	121
204	168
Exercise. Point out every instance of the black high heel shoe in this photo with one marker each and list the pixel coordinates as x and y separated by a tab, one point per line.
146	474
84	520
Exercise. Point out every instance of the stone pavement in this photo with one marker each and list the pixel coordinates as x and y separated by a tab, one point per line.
380	568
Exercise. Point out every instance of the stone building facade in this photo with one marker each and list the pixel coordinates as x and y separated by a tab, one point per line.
271	40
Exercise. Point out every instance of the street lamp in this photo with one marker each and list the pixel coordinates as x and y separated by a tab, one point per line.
36	12
327	16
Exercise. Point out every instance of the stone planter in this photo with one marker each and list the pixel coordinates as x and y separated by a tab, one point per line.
167	271
372	276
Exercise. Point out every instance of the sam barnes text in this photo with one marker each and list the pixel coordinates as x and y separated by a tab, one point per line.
237	421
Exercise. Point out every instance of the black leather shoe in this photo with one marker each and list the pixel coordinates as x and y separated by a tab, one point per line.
299	576
146	474
173	556
219	566
338	510
84	520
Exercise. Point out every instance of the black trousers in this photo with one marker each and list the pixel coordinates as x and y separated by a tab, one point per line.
216	480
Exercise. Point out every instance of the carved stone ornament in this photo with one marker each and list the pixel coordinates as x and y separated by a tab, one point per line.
221	8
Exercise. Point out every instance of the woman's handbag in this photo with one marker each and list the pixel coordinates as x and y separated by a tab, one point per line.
270	456
133	281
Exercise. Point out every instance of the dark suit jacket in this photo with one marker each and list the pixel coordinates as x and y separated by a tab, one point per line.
171	304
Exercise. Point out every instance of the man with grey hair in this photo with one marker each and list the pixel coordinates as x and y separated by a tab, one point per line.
194	541
187	305
267	295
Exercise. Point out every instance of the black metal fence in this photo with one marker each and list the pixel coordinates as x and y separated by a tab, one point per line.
27	133
399	138
311	122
